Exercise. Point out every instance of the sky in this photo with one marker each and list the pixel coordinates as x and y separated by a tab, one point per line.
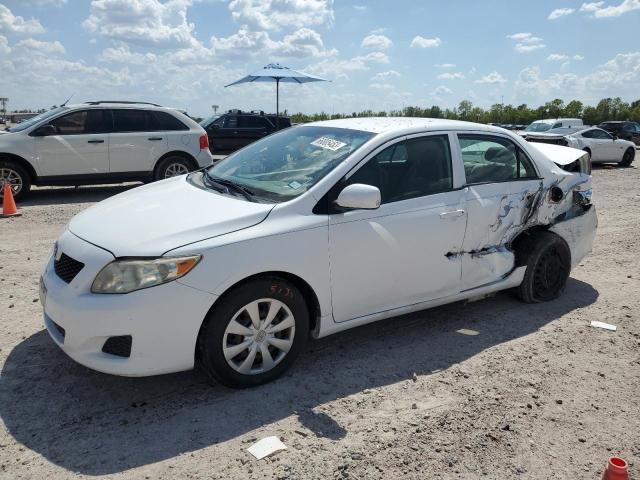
378	54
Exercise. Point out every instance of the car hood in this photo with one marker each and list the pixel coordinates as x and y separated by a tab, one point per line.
558	154
155	218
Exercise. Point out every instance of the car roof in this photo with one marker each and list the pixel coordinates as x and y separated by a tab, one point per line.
402	124
133	105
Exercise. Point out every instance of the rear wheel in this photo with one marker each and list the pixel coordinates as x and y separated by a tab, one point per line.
548	262
254	334
627	158
17	177
172	167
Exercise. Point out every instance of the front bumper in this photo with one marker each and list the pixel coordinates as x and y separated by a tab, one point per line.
163	321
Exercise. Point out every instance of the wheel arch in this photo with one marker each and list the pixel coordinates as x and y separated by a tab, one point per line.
520	246
176	153
22	162
309	294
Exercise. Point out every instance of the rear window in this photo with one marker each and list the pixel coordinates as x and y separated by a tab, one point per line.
166	121
130	120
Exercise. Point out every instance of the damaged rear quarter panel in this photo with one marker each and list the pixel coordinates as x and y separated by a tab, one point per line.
499	212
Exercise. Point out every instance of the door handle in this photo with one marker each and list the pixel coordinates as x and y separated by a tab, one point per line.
95	141
451	214
154	139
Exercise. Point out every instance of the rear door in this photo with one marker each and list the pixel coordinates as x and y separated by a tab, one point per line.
134	145
80	147
227	134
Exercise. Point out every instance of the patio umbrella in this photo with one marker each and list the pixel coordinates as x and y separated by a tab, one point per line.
274	72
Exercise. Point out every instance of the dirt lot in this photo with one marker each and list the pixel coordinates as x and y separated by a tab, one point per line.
536	393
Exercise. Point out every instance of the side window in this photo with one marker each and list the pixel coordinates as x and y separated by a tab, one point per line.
600	134
130	120
588	134
71	124
98	121
231	121
493	159
165	121
557	125
409	169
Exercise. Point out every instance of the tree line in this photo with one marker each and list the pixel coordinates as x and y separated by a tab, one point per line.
606	109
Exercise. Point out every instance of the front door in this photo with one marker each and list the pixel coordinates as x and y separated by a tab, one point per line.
79	147
398	254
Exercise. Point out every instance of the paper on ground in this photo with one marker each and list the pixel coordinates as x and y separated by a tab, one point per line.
265	447
606	326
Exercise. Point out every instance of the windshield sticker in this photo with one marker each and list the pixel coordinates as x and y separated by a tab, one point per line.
295	185
328	143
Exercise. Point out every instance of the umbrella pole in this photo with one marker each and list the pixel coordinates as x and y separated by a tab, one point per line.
277	104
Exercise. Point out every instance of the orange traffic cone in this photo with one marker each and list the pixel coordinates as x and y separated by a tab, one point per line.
8	204
616	469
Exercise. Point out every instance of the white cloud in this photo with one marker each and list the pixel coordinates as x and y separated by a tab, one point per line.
442	90
244	43
451	76
492	78
335	67
557	57
445	66
376	42
32	46
278	14
527	42
361	8
591	7
123	54
560	12
578	57
144	22
381	86
27	3
525	37
4	45
613	10
523	48
422	42
14	24
385	75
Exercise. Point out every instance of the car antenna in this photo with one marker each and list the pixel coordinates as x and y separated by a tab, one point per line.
67	100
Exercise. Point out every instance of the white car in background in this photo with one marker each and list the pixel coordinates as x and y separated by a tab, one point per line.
540	126
601	146
101	142
312	230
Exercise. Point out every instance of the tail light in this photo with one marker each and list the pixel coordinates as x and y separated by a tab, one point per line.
204	142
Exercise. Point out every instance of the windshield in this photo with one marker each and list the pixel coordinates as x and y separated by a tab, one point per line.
38	118
286	164
208	121
538	127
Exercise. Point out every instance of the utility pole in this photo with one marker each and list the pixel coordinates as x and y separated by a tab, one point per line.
3	102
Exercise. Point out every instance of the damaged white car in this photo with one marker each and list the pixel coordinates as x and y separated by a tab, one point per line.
310	231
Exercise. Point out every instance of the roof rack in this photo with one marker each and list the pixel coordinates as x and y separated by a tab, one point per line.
127	102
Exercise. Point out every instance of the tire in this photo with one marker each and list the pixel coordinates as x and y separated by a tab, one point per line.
173	166
229	325
18	178
588	150
548	260
627	158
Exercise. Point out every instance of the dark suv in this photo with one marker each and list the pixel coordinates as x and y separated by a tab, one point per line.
236	129
625	130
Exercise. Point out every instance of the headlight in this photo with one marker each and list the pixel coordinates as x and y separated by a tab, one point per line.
124	276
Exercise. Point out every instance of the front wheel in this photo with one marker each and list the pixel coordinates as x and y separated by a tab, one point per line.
627	158
17	178
254	334
548	262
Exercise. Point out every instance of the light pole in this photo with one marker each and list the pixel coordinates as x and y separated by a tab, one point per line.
3	102
215	108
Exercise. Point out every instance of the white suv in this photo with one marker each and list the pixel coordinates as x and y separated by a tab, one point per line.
101	142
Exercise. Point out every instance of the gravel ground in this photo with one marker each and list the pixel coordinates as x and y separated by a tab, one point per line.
535	393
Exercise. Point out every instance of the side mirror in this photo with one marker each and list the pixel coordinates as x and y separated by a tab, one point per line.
215	126
359	196
45	131
615	137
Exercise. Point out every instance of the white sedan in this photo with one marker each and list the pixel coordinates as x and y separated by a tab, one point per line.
310	231
601	146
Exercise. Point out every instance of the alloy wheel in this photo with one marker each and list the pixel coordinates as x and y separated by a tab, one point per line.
259	336
175	169
13	178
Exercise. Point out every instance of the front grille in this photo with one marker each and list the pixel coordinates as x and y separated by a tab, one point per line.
118	346
67	268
